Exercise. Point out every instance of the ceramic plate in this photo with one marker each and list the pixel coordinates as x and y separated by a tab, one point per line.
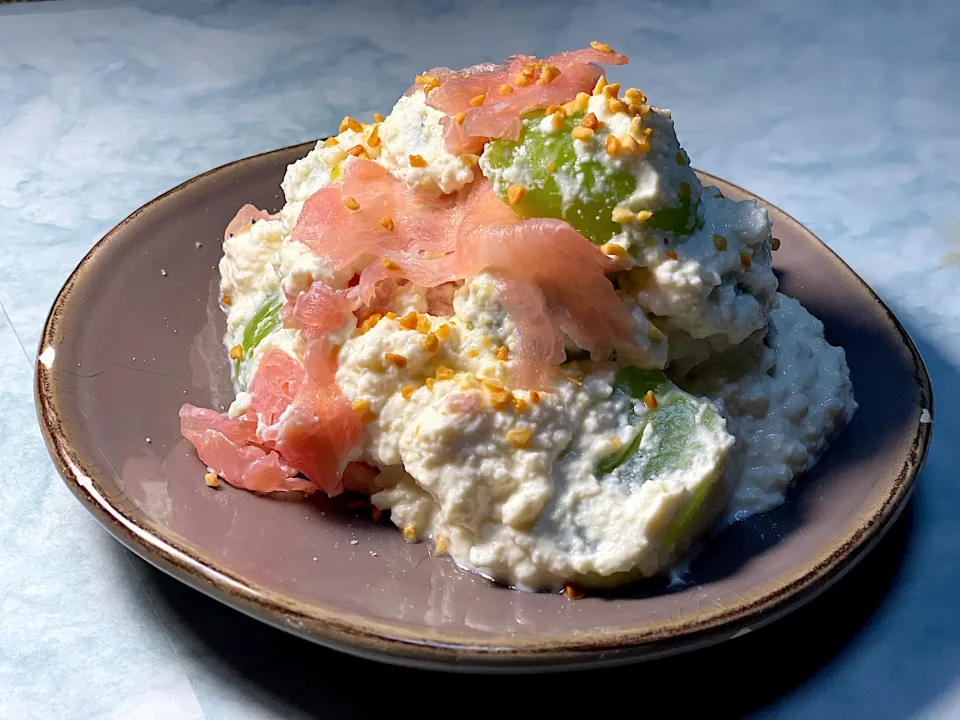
136	332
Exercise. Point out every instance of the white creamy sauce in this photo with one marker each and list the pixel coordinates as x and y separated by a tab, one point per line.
513	484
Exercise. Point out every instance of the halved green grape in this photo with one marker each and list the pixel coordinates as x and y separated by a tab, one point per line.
265	321
547	162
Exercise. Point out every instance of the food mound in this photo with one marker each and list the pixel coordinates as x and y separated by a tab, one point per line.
510	314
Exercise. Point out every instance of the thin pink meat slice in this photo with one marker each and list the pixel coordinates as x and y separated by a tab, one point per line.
245	217
321	430
222	443
274	386
320	310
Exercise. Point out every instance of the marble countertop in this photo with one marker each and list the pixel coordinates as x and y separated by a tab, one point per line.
843	114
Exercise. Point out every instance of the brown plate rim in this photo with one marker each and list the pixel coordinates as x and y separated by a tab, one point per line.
383	641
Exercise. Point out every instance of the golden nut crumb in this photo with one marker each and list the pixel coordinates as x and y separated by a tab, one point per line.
601	84
613	250
644	215
612	90
430	342
622	215
443	373
331	141
473	352
348	123
406	391
351	204
590	121
423	324
477	100
391	315
500	398
581	133
469	159
399	360
520	405
441	546
211	480
650	400
551	166
424	79
534	397
601	46
615	105
360	405
387	262
775	244
629	144
505	89
503	353
443	332
672	254
548	75
370	322
226	300
417	161
373	140
515	194
521	80
377	117
612	146
460	117
410	533
429	383
519	437
386	222
720	242
556	119
357	151
635	95
572	591
236	352
746	259
410	320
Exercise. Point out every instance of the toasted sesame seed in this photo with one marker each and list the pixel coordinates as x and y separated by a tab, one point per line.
581	133
572	591
406	391
399	360
600	47
443	373
417	161
377	117
720	242
387	262
236	352
505	89
460	117
650	400
469	159
612	146
614	250
373	139
351	204
430	342
644	215
503	353
519	437
386	222
410	532
775	244
590	121
409	321
601	84
331	141
672	254
226	300
534	397
746	259
211	480
441	547
622	215
515	194
477	100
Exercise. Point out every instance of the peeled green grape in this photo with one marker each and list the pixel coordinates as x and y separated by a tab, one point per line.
265	321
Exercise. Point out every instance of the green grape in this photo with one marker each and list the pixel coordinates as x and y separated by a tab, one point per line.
265	321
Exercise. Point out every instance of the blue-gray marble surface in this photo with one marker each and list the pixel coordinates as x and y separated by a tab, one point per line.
846	115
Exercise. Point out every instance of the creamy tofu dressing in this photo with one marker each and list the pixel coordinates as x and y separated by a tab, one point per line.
511	483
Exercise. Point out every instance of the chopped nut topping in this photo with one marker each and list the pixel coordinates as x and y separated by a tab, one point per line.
477	100
387	262
391	315
635	128
441	546
500	398
551	166
386	222
373	140
417	161
348	123
424	79
622	215
775	244
236	352
399	360
370	322
351	204
409	321
614	250
211	480
644	215
430	342
616	442
629	144
556	118
469	159
601	84
720	242
357	151
600	47
548	75
460	117
581	133
590	121
672	254
360	405
650	400
429	383
615	105
331	141
519	437
377	117
410	533
521	80
443	373
572	591
515	194
505	89
520	405
503	353
226	300
443	332
635	95
406	391
473	352
423	324
612	146
534	397
746	259
612	90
